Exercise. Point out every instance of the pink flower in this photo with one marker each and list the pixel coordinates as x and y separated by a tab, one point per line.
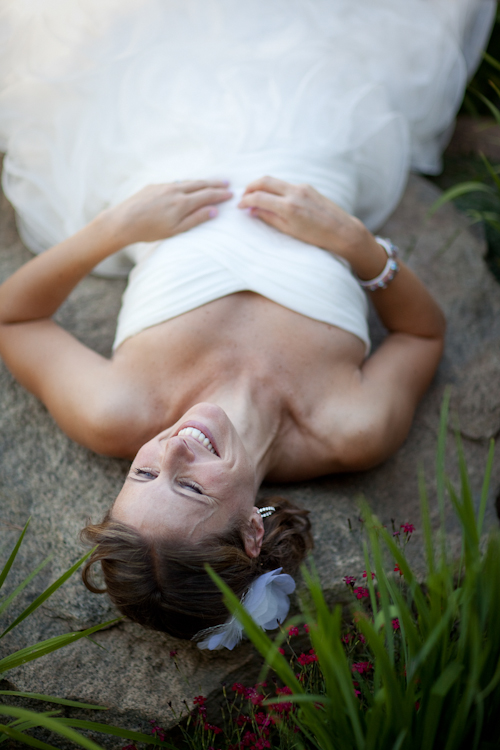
349	580
397	569
261	744
347	638
199	700
395	623
282	651
365	575
408	528
284	690
239	689
362	667
356	691
293	631
360	592
361	638
173	654
306	628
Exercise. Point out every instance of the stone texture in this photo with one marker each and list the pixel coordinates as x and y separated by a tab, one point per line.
60	484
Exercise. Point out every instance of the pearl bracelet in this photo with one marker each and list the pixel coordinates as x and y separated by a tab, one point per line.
390	270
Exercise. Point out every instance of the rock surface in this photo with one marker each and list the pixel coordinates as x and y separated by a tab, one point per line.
60	484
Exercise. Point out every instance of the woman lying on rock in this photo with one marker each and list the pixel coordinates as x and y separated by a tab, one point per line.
242	351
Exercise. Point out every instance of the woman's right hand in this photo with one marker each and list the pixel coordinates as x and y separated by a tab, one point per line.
160	211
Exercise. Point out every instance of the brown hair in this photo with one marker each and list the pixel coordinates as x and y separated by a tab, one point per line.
164	585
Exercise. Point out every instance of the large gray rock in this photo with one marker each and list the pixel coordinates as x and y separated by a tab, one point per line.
60	484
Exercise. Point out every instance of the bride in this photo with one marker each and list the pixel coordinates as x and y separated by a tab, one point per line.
138	135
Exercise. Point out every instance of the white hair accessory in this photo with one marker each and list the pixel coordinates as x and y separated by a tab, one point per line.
266	601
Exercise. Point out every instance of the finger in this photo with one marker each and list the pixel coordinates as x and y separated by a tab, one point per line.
269	217
260	199
269	184
191	186
197	217
194	201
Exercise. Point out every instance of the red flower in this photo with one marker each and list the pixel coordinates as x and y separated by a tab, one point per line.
349	580
199	700
306	628
254	696
212	728
397	569
365	575
360	592
284	690
305	659
347	638
362	667
239	689
129	747
172	654
249	738
242	720
356	691
282	651
362	638
408	528
395	623
261	744
293	631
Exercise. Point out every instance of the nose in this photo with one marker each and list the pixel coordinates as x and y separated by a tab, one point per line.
176	449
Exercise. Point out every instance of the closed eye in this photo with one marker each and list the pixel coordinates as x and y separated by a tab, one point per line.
191	486
146	473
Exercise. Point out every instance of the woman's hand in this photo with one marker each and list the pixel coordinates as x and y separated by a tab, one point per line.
160	211
302	212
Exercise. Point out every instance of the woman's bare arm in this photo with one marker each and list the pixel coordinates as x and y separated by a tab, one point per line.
381	403
77	385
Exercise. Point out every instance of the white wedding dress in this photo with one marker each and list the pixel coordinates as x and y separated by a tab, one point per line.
99	98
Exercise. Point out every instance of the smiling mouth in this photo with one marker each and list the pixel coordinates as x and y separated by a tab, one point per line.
199	436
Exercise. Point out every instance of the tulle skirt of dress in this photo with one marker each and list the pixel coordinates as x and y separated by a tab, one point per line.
99	98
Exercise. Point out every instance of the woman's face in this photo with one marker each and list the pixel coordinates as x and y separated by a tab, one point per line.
192	480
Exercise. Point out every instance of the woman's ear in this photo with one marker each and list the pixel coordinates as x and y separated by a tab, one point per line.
254	534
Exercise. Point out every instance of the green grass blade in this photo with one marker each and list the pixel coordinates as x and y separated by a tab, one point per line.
25	739
426	522
9	599
8	564
53	699
491	60
494	111
490	168
53	725
485	487
24	655
46	594
455	192
125	734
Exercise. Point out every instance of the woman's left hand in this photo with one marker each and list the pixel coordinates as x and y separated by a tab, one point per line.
303	213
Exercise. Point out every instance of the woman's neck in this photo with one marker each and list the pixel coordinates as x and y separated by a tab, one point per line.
257	415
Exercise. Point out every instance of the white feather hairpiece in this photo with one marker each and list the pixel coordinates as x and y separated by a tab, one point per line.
267	601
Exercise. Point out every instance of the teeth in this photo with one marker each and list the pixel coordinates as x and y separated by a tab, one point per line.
199	436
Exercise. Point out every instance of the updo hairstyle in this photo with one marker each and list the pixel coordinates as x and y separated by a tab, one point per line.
162	584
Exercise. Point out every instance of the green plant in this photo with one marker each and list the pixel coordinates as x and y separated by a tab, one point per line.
435	681
24	719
